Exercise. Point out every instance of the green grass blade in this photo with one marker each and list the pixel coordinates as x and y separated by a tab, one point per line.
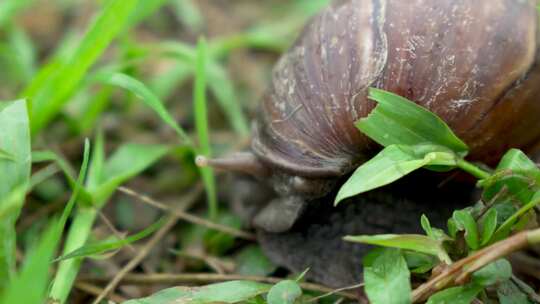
104	247
95	172
49	99
128	161
223	89
30	285
201	124
217	80
148	97
14	177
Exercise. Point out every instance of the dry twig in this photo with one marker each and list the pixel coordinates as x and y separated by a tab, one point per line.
459	272
146	249
189	217
95	290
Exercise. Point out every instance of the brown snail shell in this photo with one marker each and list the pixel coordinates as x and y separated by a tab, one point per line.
473	63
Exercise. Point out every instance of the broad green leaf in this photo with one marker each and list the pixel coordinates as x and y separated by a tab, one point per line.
406	123
456	295
493	273
103	247
14	177
126	162
392	163
252	261
284	292
419	262
53	93
415	242
148	97
489	224
387	279
509	293
466	222
201	125
226	292
35	271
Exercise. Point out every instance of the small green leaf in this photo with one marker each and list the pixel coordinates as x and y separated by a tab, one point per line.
388	279
466	222
489	224
419	262
509	293
103	247
392	163
506	227
252	261
493	273
415	242
456	295
518	161
227	292
284	292
424	221
406	123
452	227
517	174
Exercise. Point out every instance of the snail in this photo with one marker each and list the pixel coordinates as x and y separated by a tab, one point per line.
473	63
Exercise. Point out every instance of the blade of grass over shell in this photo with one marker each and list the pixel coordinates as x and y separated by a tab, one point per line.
392	163
201	124
14	177
56	90
396	120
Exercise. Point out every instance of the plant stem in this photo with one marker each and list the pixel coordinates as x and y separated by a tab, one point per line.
68	269
472	169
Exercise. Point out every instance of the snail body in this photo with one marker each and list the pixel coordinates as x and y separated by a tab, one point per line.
473	63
